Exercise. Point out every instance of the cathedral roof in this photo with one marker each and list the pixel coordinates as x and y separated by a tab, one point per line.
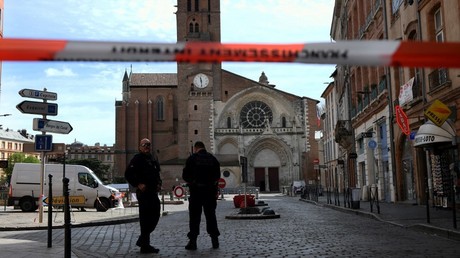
153	79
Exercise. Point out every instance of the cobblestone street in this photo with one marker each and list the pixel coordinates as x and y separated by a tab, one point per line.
304	230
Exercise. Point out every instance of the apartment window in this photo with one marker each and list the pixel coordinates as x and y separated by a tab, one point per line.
438	26
160	108
360	146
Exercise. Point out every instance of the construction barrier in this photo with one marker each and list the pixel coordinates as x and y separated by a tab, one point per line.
369	52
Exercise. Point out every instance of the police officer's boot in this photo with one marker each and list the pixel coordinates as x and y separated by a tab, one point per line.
191	244
215	242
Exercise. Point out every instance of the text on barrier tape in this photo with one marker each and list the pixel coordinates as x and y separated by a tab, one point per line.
372	53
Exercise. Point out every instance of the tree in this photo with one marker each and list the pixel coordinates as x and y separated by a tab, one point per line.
101	170
18	157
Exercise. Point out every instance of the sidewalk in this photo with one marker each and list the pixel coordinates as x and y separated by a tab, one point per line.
407	215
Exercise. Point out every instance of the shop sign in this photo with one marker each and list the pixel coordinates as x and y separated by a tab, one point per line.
425	139
402	120
438	112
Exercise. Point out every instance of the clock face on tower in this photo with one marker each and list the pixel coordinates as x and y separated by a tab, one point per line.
201	81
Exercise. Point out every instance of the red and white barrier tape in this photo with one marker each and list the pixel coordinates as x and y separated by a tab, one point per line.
372	53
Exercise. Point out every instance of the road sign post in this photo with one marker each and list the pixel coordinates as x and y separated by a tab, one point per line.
39	108
37	94
51	126
43	142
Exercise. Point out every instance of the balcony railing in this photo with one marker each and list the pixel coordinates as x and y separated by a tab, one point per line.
370	18
278	130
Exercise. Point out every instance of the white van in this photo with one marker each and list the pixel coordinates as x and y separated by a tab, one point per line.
25	186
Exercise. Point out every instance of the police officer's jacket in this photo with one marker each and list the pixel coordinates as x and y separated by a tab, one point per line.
201	171
144	169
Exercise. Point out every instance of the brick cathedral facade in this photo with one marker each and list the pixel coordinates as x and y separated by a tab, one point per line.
234	116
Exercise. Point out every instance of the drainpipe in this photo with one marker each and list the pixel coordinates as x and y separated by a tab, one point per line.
390	104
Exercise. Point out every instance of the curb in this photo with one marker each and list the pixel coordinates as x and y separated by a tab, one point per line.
121	220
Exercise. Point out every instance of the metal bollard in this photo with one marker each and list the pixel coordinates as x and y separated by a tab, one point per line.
257	193
67	233
50	211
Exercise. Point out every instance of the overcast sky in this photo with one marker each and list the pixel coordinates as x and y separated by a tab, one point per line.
87	91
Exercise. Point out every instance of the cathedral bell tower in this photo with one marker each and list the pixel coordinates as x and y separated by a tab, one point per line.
199	84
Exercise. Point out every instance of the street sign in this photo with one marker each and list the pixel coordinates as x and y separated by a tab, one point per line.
221	183
402	120
57	149
316	161
438	112
40	108
372	144
37	94
43	142
59	200
52	126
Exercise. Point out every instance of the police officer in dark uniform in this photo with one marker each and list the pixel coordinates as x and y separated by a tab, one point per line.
143	173
201	172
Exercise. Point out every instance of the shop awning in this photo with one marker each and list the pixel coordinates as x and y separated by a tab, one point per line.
429	134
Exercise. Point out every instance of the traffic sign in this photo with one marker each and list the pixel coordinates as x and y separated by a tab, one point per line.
221	183
372	144
37	94
40	108
402	120
179	191
43	142
52	126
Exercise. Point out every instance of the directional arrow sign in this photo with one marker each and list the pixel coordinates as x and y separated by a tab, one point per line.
37	94
51	126
40	108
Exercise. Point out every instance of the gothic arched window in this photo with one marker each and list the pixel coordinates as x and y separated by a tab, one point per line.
255	114
229	122
283	121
